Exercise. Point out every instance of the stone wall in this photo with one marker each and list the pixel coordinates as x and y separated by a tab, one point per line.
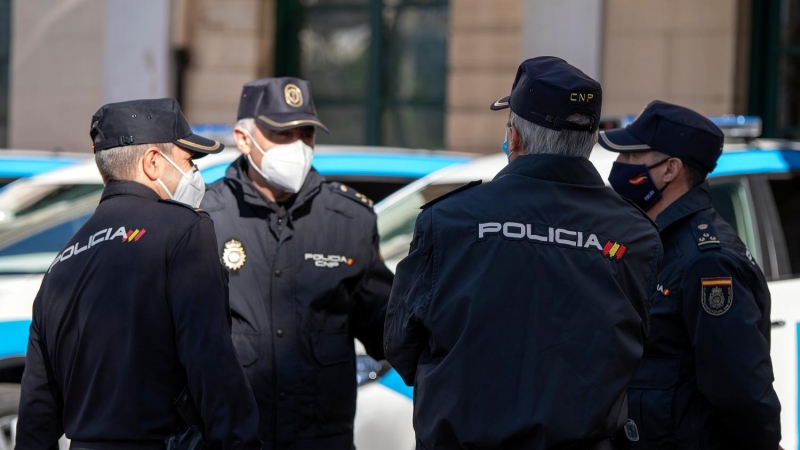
680	51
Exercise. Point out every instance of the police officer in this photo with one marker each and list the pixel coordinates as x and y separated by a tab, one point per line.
134	309
520	311
306	276
706	376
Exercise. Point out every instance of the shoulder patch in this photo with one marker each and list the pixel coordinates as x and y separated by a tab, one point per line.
197	211
705	236
717	295
352	194
471	184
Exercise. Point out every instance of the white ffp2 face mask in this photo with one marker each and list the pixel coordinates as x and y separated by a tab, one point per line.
284	166
191	188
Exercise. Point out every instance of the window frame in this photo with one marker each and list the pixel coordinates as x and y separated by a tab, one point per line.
287	60
772	251
766	51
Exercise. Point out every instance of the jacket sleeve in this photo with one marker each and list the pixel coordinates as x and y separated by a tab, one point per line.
40	423
197	296
406	336
371	297
734	369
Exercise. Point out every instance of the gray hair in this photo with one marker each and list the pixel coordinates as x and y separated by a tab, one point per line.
119	163
540	140
248	124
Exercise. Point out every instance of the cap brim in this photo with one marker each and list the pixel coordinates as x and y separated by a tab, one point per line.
277	123
501	103
622	141
199	146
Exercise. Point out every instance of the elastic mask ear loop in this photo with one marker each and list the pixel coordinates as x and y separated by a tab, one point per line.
250	158
658	164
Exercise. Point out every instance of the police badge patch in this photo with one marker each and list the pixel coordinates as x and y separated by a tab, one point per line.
233	255
717	295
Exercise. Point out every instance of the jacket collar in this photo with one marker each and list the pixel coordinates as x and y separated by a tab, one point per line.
237	173
557	168
697	199
118	188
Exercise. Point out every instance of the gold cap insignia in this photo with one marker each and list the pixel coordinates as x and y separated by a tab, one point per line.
233	255
294	96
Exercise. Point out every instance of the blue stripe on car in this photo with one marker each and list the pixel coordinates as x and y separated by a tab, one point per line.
393	381
15	338
756	161
379	165
11	167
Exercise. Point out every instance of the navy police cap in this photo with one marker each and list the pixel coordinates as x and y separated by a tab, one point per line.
547	90
279	104
150	121
670	129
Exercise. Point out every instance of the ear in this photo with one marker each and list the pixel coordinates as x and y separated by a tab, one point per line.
673	170
242	140
596	137
152	163
515	141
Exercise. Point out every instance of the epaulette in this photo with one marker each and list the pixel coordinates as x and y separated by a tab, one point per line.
448	194
352	194
197	211
705	236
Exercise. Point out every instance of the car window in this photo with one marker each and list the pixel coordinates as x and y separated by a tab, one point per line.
787	200
34	253
30	198
396	223
60	194
732	203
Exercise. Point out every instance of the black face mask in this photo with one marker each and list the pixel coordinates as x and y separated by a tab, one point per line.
633	181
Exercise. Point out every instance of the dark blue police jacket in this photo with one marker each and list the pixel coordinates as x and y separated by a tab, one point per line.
133	309
706	377
306	278
520	313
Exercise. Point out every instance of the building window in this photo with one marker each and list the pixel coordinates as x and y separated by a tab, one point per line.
378	68
5	51
775	66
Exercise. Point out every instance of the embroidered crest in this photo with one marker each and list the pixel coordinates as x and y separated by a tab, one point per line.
717	295
233	255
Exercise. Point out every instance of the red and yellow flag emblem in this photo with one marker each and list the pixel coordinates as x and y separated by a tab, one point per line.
134	235
638	180
614	250
708	282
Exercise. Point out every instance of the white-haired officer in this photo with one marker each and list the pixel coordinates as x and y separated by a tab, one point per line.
520	313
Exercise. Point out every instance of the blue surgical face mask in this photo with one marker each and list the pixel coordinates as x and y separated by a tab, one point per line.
504	146
634	182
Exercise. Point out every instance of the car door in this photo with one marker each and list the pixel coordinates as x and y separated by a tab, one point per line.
765	211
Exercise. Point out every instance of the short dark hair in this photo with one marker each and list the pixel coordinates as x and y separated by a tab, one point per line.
694	175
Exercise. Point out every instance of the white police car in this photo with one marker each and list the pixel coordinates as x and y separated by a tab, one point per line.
15	164
755	187
41	213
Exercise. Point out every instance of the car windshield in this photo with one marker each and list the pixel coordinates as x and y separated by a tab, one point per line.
30	198
35	252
